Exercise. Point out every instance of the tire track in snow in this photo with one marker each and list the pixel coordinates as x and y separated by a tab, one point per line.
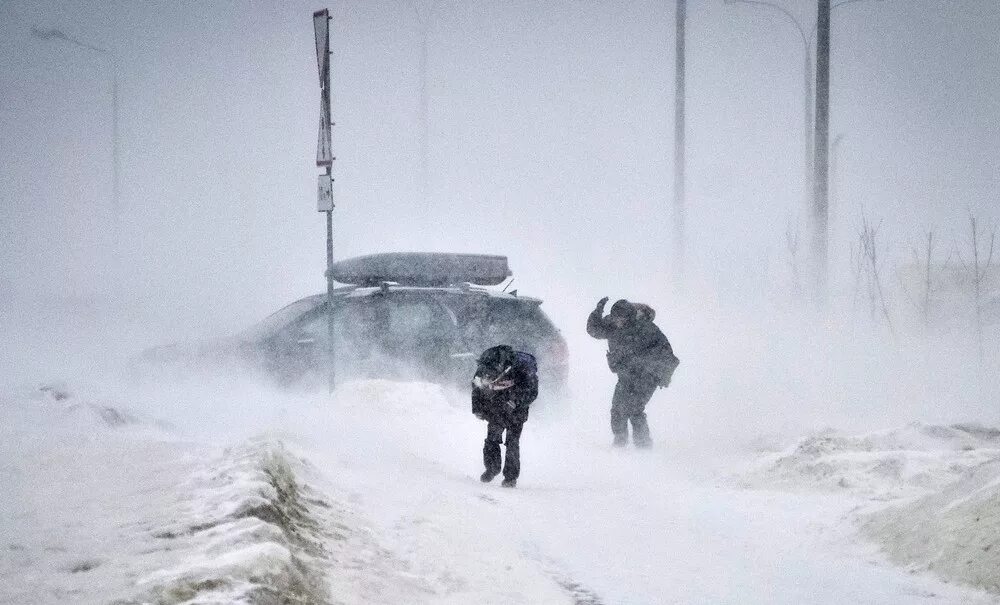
577	591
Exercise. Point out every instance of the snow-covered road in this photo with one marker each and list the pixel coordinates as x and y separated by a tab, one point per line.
388	509
589	524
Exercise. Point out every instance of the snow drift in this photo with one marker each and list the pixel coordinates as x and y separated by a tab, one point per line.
884	465
937	487
109	506
954	533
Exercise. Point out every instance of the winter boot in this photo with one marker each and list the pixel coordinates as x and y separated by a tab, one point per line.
487	476
509	483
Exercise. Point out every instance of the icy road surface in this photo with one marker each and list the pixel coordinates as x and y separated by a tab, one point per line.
389	509
587	524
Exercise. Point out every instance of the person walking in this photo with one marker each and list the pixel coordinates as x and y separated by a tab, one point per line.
503	388
643	359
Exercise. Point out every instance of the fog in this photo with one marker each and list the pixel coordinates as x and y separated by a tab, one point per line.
550	137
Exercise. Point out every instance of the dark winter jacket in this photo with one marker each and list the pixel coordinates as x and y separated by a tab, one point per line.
507	407
638	349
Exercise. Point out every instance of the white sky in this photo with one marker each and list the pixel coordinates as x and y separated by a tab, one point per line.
551	131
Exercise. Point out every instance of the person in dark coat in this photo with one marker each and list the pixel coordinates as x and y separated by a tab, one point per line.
643	359
503	388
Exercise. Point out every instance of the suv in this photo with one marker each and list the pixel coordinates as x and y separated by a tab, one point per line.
408	316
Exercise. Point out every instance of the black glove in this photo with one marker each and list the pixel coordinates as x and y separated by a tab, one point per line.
601	303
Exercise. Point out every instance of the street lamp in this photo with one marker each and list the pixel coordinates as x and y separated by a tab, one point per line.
807	53
816	135
808	82
58	36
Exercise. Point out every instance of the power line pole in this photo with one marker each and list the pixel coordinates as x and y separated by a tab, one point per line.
425	25
811	144
116	156
821	154
679	132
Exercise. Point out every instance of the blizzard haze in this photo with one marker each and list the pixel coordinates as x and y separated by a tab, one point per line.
549	139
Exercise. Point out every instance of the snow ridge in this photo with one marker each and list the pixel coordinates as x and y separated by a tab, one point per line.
254	535
954	533
885	465
932	491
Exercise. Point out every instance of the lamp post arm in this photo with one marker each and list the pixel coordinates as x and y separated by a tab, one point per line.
57	34
812	32
782	10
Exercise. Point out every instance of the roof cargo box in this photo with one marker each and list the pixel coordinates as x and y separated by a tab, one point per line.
422	269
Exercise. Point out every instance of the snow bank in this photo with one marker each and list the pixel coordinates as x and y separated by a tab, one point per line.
954	533
943	483
54	407
103	505
250	532
83	479
907	461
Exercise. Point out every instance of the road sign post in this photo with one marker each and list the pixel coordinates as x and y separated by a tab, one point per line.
324	159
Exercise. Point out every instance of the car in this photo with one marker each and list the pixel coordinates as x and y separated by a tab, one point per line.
401	316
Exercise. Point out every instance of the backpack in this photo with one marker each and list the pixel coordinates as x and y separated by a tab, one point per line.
670	364
526	361
660	362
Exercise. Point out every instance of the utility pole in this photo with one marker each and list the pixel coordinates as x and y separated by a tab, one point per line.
807	70
811	144
116	207
679	132
425	25
836	211
324	159
822	148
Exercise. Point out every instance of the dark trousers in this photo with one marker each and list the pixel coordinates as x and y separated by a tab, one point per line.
491	449
632	393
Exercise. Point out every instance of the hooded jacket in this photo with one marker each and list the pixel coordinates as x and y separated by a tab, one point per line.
507	407
638	349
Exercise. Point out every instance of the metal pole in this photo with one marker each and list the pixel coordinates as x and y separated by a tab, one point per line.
811	144
116	154
324	158
809	125
331	378
425	25
424	120
331	355
679	132
822	142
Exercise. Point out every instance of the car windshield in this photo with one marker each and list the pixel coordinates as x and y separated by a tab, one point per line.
279	320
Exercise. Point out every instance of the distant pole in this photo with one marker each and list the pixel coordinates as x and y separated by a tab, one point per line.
679	132
116	207
324	159
809	120
807	74
809	191
821	154
836	204
425	25
424	121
